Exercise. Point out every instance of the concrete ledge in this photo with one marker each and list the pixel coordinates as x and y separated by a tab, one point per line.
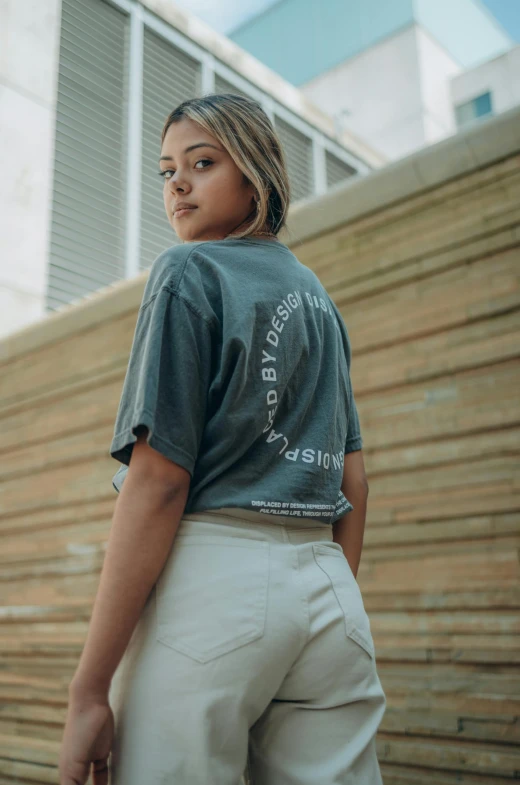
104	304
425	169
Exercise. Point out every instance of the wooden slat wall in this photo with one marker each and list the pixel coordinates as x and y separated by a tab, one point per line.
429	290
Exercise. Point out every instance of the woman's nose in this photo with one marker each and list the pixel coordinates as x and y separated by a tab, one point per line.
174	184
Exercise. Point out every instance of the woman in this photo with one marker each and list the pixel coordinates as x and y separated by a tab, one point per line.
228	630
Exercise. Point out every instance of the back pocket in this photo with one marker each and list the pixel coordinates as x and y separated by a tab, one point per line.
332	560
211	596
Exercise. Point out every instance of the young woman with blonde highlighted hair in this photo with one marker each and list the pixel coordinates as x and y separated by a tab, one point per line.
229	637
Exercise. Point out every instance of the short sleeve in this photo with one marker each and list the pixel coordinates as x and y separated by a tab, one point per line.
167	380
354	440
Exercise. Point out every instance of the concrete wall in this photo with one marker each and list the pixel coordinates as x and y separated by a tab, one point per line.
421	257
501	76
396	93
29	47
436	67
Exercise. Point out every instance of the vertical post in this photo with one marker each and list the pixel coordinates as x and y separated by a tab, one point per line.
207	78
134	141
318	160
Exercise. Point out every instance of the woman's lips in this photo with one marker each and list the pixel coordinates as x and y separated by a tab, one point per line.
183	211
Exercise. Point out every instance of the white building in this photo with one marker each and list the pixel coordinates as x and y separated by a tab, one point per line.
85	86
488	89
382	68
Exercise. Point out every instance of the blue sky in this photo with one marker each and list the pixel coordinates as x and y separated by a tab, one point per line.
226	15
507	12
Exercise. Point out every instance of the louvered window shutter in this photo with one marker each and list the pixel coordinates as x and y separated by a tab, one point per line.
88	211
170	76
298	152
223	86
337	170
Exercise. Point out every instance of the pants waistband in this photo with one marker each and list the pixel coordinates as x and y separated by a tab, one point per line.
252	524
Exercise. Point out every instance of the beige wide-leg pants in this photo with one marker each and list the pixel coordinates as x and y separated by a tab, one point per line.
253	657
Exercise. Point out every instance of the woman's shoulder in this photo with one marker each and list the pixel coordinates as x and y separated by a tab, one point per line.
188	276
168	268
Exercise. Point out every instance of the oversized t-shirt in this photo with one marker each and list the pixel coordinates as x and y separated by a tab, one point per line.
240	370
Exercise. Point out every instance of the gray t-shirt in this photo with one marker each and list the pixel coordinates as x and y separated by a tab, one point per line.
240	369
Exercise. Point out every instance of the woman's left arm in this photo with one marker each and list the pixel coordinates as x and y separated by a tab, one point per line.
147	514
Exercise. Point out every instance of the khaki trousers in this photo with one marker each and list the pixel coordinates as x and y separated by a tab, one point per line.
253	658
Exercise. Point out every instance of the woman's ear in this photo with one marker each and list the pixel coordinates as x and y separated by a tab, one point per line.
252	190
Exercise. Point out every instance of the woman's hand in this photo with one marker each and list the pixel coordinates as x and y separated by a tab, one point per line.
87	741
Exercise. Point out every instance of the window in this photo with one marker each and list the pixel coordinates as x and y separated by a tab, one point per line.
337	170
88	217
298	153
471	110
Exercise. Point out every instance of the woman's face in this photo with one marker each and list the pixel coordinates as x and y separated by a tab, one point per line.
205	177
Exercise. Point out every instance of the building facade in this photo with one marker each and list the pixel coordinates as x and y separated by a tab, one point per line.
382	69
85	88
487	89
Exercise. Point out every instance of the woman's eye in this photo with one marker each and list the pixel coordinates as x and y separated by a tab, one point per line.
164	173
